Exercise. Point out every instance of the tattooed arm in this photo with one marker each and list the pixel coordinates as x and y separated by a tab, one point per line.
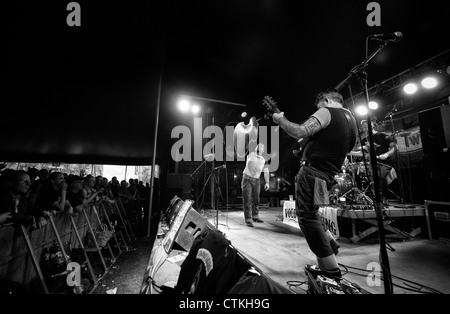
310	127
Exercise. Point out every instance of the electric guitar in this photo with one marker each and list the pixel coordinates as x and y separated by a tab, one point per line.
271	106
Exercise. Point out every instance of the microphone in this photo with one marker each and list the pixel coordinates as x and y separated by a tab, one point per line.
221	167
387	37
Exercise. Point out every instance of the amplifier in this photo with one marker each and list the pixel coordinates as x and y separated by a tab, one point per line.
438	220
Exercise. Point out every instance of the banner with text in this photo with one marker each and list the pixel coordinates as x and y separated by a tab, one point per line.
289	214
410	152
329	218
327	213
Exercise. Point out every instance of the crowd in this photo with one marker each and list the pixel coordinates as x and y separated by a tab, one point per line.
29	197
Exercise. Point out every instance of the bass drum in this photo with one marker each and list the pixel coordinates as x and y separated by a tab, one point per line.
344	183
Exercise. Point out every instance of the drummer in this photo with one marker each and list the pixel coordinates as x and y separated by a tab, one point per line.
383	142
384	145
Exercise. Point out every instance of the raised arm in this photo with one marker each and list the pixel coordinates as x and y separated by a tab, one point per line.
298	131
60	205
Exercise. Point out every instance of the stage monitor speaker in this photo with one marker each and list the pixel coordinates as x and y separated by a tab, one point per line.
437	176
240	276
438	220
435	130
184	222
193	224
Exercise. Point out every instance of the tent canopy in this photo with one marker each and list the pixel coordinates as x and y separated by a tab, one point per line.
88	94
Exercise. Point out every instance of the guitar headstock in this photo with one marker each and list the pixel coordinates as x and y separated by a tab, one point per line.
270	104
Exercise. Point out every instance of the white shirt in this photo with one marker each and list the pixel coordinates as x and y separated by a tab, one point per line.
255	165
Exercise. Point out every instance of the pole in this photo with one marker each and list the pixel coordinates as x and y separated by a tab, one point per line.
378	202
155	139
213	186
152	179
360	72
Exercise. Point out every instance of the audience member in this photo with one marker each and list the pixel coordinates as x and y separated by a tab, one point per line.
92	195
13	202
126	198
52	195
114	187
42	176
76	195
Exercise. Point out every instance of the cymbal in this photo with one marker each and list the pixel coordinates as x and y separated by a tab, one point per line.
367	146
355	153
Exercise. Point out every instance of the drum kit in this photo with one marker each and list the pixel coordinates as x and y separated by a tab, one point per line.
354	182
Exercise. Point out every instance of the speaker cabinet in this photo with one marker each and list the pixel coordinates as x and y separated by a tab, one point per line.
435	130
438	220
437	176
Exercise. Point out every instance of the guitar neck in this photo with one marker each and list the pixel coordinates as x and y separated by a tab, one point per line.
271	105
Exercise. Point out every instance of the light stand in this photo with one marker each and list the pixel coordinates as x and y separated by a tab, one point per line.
206	158
212	183
214	178
359	71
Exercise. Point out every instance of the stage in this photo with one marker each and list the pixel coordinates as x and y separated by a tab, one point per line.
280	250
363	222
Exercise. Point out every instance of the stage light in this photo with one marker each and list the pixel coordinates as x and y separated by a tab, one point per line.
195	109
184	105
429	82
410	88
373	105
361	110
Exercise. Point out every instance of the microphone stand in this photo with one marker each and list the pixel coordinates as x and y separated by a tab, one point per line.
195	171
400	179
216	178
196	186
359	71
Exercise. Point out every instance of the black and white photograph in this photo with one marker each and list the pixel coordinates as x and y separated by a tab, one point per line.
225	155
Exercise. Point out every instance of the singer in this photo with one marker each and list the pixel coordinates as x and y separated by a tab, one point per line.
250	184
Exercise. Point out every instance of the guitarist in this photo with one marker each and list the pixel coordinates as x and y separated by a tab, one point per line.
332	134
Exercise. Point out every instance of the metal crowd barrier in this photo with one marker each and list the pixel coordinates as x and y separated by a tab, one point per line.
21	248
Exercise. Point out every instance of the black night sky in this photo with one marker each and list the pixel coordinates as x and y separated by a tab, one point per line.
89	93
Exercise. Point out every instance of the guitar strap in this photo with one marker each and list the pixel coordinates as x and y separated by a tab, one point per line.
351	126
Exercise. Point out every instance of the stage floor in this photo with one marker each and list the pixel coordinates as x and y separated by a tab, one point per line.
281	252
